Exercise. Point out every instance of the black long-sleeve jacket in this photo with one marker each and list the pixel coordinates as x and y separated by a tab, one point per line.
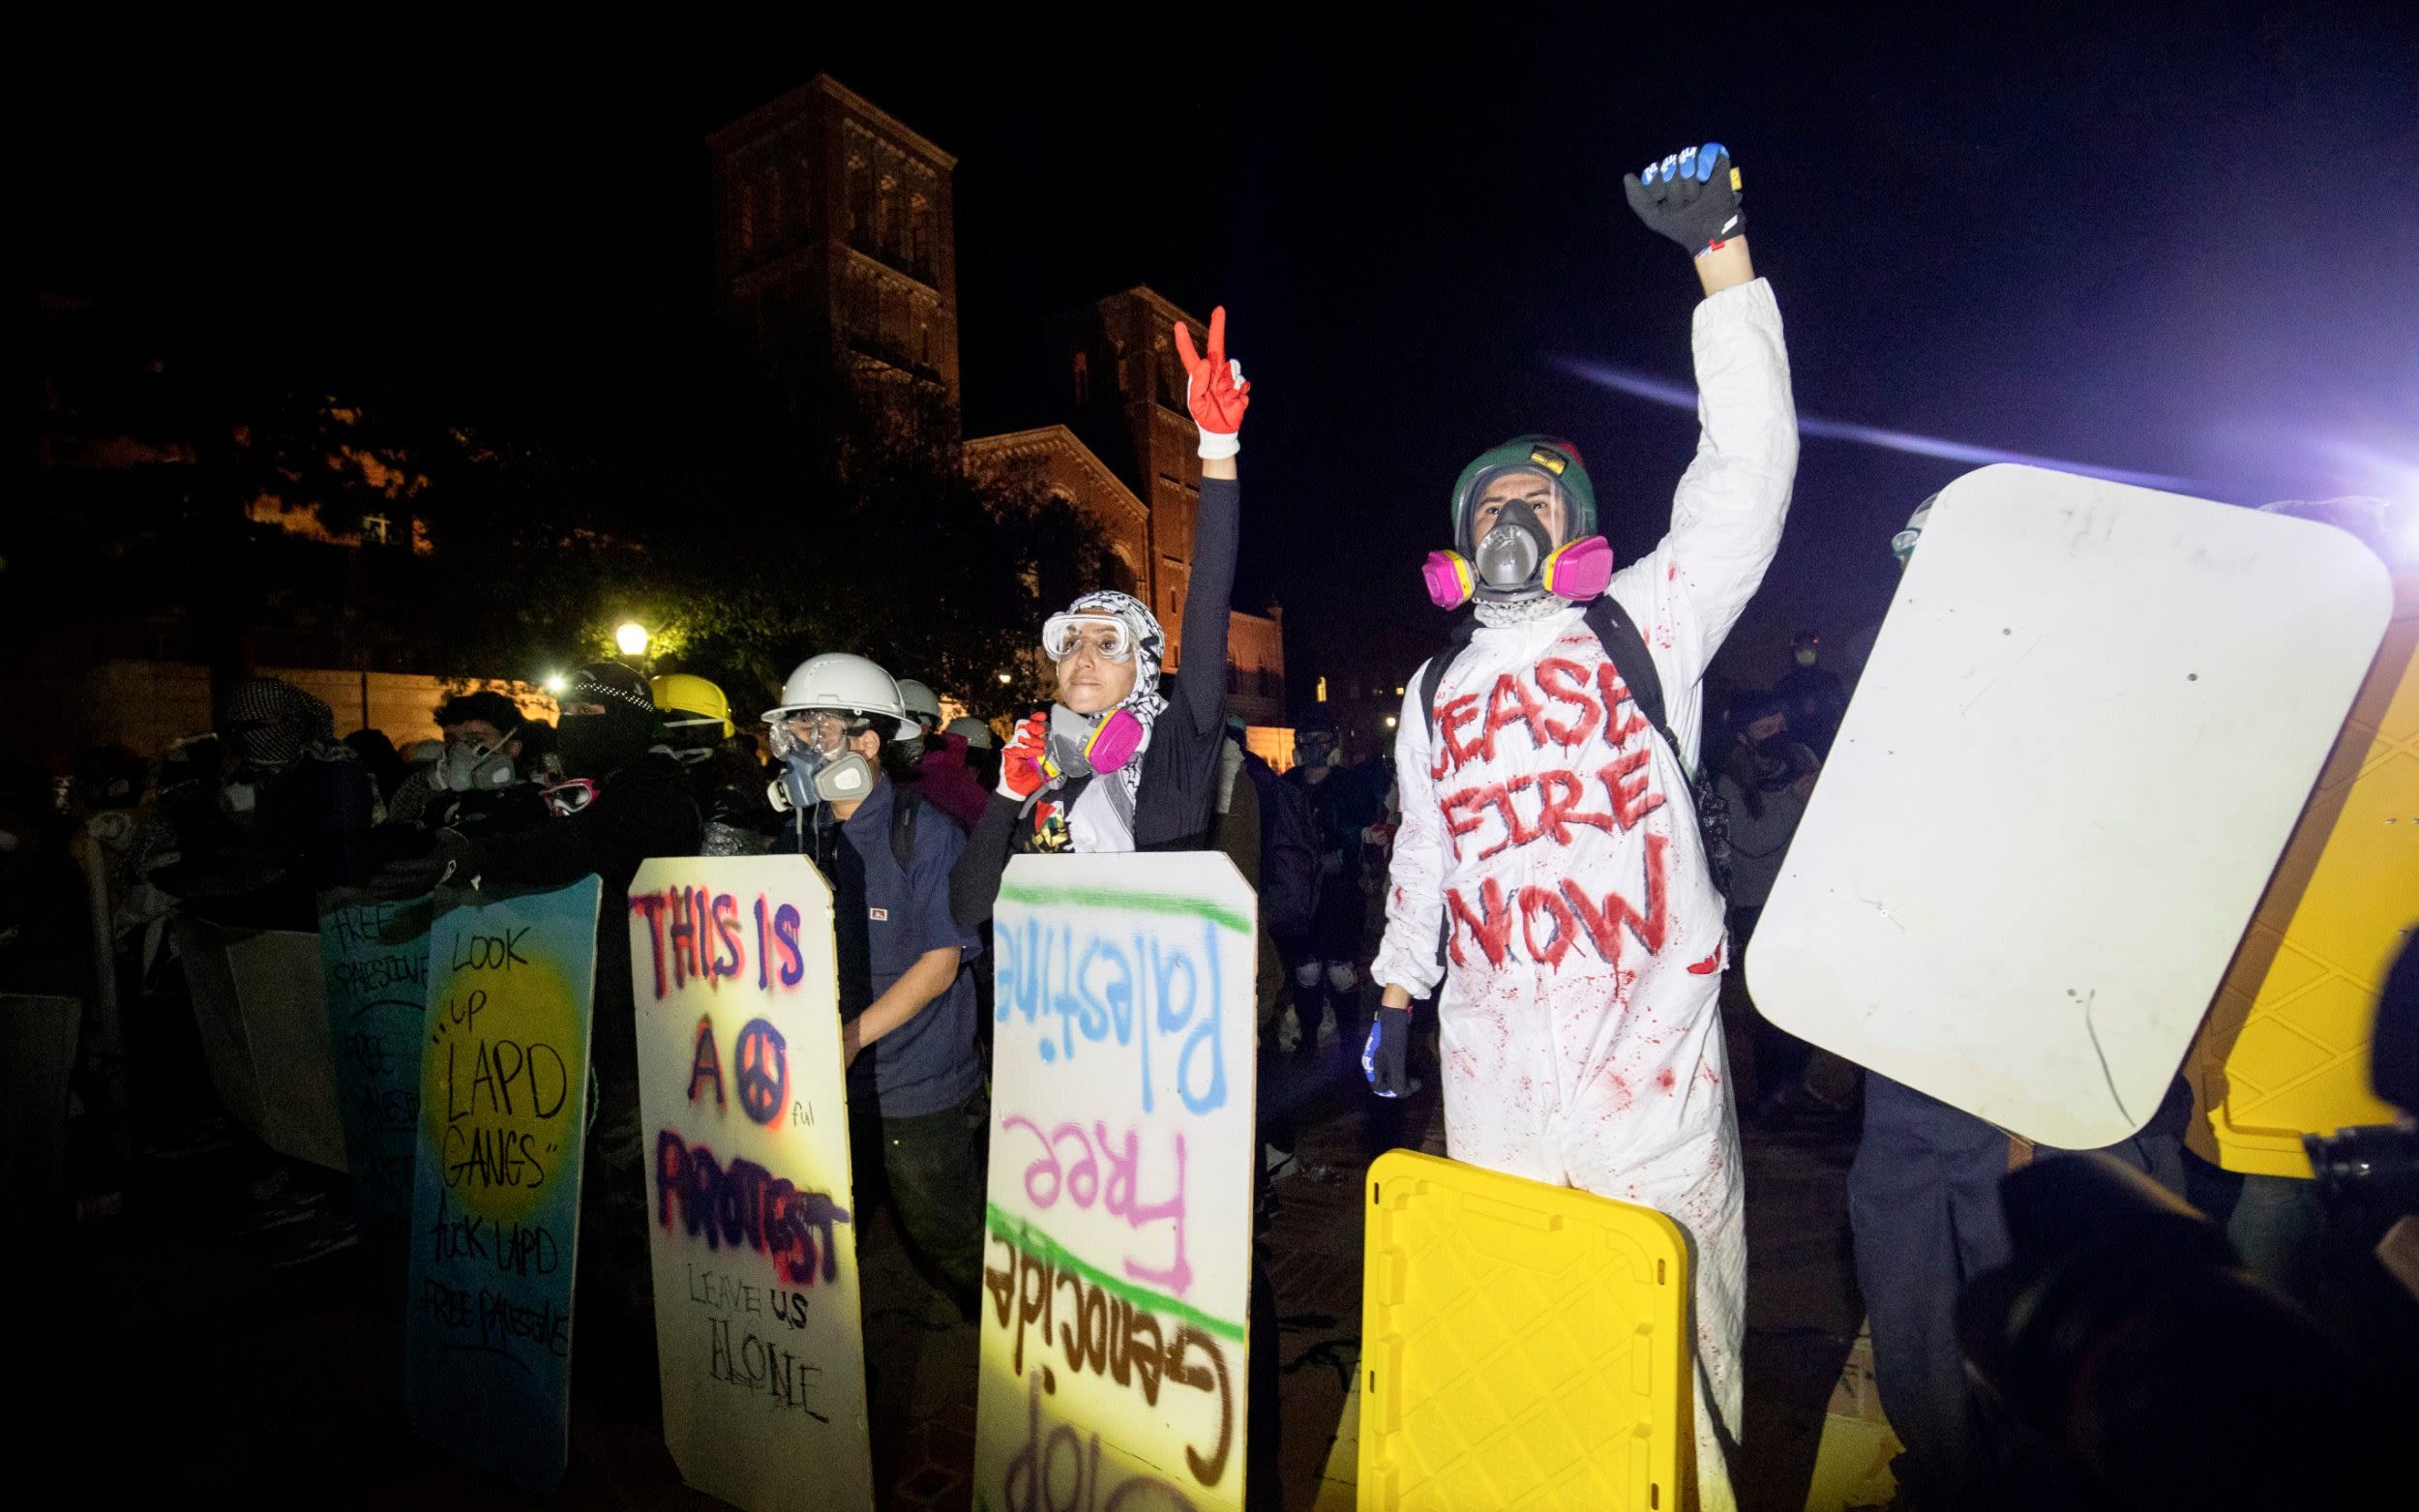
644	809
1179	776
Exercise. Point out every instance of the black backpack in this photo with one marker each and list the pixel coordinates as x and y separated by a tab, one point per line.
905	806
1627	650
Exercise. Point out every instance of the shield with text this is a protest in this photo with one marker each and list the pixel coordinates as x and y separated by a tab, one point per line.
742	1094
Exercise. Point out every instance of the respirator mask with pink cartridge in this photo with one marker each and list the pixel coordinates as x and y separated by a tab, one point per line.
1085	745
1098	633
1115	627
1506	507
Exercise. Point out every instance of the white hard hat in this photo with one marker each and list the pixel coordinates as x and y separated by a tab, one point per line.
917	698
977	733
851	684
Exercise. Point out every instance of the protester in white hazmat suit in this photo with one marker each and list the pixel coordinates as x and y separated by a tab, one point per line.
1548	870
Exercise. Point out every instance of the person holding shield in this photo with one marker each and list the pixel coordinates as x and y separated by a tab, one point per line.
1548	884
1116	764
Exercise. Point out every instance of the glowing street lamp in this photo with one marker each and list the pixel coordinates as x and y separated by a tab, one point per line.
631	637
555	683
1005	679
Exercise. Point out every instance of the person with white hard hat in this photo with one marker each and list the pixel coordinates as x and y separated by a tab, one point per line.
907	998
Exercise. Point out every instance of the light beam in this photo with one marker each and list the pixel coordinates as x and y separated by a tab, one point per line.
1656	391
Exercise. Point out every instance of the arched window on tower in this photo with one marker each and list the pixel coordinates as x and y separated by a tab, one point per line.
1083	378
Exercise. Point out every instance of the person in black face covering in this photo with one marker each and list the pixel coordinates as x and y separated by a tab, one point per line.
619	804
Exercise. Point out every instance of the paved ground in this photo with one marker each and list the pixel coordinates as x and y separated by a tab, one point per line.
167	1357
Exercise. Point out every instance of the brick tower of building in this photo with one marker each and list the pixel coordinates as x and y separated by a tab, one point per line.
832	229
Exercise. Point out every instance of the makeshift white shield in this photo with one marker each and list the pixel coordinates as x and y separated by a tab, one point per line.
1118	1272
2076	750
746	1133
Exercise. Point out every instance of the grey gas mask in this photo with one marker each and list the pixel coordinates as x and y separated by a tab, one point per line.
471	767
809	775
1510	559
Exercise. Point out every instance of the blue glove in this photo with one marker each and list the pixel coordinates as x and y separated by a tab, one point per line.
1382	1057
1692	197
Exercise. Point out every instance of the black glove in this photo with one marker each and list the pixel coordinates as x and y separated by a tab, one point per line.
1690	197
450	858
1382	1057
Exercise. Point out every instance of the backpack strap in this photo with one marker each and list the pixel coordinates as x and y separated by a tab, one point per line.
1622	646
903	807
1627	650
1614	631
1455	644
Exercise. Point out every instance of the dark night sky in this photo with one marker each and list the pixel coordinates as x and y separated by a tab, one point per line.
2185	243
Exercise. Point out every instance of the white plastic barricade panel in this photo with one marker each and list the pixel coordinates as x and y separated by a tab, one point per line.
36	1056
2085	730
1119	1261
744	1098
284	997
260	1004
218	1019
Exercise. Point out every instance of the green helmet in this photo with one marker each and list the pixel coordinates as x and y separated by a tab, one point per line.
1557	459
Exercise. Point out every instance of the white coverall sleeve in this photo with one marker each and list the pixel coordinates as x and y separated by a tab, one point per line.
1414	899
1728	514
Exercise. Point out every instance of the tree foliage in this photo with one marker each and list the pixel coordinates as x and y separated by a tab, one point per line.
767	511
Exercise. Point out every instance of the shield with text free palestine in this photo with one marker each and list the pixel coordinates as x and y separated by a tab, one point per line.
751	1219
374	954
1119	1255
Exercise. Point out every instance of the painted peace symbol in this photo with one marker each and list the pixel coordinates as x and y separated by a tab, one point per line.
764	1074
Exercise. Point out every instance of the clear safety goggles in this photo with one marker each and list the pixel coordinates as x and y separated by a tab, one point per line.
1902	545
821	732
571	795
1064	635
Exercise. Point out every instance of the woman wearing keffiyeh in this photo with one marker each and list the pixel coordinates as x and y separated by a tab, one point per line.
1115	764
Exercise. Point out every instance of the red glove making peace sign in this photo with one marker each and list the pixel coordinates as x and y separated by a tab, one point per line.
1213	388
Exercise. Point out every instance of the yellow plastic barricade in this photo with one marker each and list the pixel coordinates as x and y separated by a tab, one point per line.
1522	1346
2284	1051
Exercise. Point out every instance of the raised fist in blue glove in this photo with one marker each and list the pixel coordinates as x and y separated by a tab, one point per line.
1692	197
1383	1057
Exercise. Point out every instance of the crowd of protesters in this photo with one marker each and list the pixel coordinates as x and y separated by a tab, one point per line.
1387	900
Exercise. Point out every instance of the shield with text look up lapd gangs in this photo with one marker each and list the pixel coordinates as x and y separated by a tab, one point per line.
493	1243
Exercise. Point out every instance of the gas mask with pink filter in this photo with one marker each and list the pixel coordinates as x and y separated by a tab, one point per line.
1505	548
1118	628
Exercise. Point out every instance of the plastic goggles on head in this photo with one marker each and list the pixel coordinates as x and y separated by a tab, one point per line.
1064	635
1902	545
